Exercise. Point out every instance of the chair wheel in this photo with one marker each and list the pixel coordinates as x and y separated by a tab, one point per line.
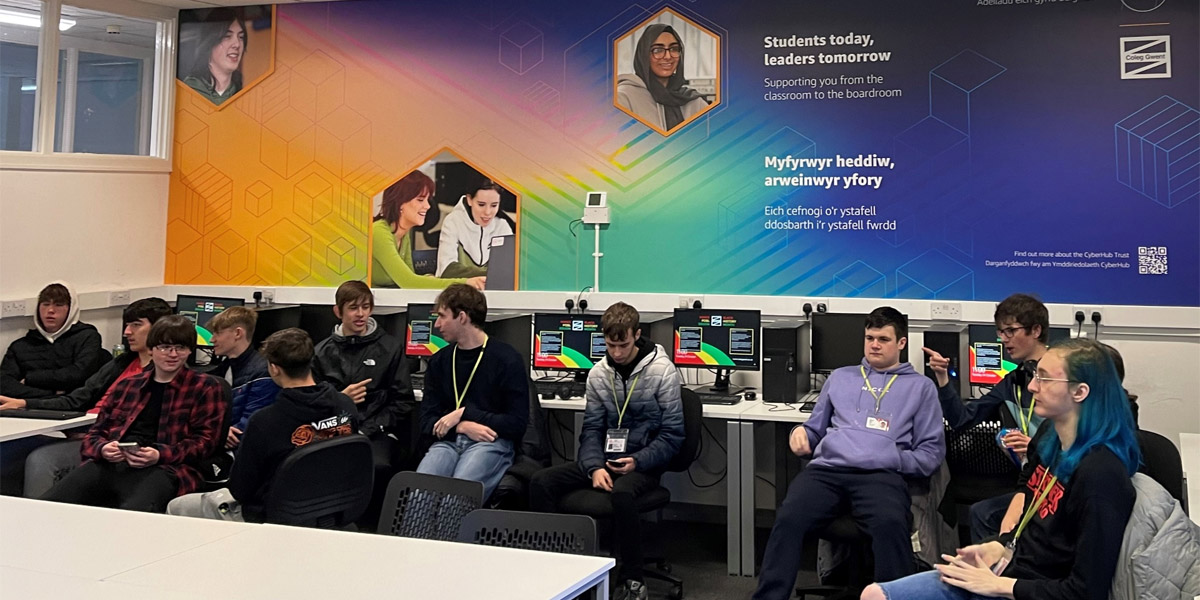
676	593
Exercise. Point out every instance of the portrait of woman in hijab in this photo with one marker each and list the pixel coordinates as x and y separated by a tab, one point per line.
655	92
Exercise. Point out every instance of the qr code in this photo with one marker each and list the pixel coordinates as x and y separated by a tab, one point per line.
1152	260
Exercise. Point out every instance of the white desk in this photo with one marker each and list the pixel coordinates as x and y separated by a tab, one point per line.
1189	449
66	551
13	429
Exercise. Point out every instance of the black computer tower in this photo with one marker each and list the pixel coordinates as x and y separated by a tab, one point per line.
784	365
946	343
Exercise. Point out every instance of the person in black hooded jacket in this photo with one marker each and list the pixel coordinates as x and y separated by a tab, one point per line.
57	355
303	412
367	364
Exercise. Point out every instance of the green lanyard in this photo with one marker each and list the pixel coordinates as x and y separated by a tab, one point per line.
1033	507
1026	420
628	395
458	396
887	387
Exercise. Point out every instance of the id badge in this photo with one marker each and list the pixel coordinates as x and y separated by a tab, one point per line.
877	424
1002	564
615	440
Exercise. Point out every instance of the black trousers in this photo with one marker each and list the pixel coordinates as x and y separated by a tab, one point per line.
548	486
878	501
116	485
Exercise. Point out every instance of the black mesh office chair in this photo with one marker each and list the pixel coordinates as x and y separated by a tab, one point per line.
428	507
1161	461
324	484
548	532
979	469
598	504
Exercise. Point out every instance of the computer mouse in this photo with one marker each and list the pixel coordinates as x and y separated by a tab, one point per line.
750	395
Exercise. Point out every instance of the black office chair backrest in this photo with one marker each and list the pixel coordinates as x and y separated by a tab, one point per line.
428	507
974	451
324	484
1161	461
548	532
536	442
693	415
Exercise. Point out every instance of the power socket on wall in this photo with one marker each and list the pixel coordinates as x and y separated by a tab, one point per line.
945	311
12	308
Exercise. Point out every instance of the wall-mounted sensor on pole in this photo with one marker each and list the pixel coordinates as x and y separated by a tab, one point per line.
595	208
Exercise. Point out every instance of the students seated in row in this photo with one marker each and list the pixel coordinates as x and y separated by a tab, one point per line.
303	412
1072	521
367	364
476	402
241	366
632	428
1023	325
874	424
54	457
57	355
140	452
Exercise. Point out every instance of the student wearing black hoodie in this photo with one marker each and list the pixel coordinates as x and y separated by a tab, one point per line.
57	355
303	412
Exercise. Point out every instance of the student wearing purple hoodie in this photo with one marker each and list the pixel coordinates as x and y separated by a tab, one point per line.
874	425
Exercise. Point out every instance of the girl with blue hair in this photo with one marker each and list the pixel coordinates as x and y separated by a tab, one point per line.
1078	495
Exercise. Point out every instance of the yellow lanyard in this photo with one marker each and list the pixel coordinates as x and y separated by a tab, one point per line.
458	396
1026	420
628	395
1034	506
887	387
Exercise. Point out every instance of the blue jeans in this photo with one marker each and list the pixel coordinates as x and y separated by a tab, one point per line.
987	516
485	462
925	586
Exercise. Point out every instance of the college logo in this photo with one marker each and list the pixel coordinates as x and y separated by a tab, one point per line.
576	325
1146	57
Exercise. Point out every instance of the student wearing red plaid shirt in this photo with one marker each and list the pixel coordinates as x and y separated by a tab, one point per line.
140	452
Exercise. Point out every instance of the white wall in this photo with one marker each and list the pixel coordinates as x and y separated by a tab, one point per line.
99	231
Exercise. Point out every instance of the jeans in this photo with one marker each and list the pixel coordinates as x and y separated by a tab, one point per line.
925	586
987	516
485	462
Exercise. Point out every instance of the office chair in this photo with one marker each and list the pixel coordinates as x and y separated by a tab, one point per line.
532	455
428	507
547	532
325	484
598	504
1161	461
979	469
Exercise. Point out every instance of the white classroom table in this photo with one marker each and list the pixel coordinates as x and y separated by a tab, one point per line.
64	551
15	429
1189	450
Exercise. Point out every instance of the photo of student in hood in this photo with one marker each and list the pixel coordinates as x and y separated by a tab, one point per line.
57	355
655	92
464	245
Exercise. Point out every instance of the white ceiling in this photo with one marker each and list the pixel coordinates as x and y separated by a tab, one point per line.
212	3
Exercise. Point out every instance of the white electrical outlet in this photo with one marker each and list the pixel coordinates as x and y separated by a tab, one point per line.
268	297
945	311
688	301
118	298
12	308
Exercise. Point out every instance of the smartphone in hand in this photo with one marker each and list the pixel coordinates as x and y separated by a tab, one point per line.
127	445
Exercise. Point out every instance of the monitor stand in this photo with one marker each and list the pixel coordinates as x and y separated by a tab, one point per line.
722	385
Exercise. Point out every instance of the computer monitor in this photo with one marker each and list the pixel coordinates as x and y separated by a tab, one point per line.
837	341
564	342
726	339
201	309
987	359
421	336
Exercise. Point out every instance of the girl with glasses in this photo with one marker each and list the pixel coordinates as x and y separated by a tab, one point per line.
655	92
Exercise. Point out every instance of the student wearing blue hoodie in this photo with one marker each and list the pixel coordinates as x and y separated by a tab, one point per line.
874	425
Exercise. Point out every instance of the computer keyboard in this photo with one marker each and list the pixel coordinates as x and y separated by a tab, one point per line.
39	413
562	388
417	380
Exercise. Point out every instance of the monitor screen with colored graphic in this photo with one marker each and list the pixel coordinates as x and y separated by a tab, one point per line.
421	336
564	342
725	339
989	360
200	309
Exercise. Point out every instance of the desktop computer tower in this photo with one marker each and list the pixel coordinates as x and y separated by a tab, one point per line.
784	365
946	343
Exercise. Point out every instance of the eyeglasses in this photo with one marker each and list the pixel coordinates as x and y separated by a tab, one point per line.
1009	332
1038	378
658	51
171	349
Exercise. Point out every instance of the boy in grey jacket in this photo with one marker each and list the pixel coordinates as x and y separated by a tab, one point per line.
632	427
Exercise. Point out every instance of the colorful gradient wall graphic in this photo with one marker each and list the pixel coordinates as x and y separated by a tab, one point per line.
950	149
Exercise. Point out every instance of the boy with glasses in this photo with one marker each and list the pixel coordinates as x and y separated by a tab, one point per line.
140	452
1023	325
